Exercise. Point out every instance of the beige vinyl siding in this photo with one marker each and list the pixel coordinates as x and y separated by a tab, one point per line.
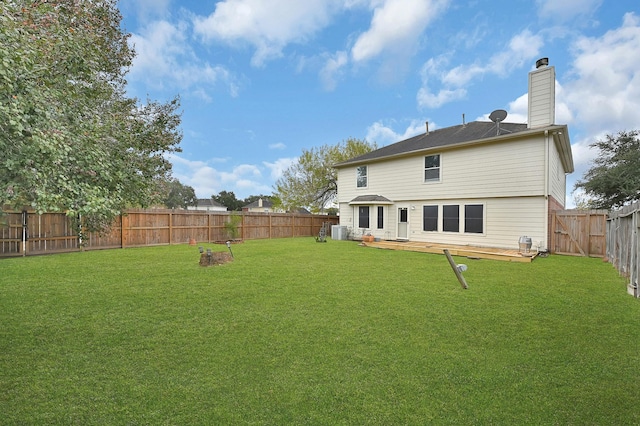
349	218
506	220
541	97
495	170
557	176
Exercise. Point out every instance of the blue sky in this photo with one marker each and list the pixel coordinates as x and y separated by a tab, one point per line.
262	80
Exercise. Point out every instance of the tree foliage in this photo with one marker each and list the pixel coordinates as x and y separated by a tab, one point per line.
178	195
71	139
228	199
312	182
614	178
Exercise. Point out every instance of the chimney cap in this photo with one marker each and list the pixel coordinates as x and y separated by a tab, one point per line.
542	62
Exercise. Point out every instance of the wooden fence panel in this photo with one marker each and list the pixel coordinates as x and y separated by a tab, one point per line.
185	227
623	244
54	232
111	238
579	232
11	234
256	226
49	233
217	229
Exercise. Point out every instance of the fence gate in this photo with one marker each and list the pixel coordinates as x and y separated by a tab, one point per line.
579	232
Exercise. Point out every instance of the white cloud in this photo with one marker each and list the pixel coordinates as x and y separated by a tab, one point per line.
564	115
523	47
518	110
384	135
243	180
432	71
332	69
268	26
434	100
278	145
279	166
164	59
605	90
566	9
394	32
396	24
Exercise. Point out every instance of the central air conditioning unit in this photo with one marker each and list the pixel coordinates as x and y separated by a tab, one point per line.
338	232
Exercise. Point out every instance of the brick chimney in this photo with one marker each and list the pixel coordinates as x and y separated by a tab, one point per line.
542	95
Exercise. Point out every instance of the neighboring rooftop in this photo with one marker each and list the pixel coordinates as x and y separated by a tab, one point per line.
259	203
208	202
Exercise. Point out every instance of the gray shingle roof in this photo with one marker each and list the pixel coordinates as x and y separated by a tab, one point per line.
448	136
265	204
367	199
208	202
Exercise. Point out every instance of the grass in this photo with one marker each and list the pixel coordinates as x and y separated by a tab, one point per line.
295	332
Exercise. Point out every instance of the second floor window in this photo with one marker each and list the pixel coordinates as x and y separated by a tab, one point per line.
361	176
432	168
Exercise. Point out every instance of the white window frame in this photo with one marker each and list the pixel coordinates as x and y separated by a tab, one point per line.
359	176
439	168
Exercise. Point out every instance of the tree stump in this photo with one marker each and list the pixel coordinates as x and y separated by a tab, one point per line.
217	258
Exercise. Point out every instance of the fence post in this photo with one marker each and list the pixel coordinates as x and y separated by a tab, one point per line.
123	235
242	224
25	217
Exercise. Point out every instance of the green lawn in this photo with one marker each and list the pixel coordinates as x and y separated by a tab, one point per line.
299	332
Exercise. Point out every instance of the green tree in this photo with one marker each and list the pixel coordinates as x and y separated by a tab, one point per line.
231	225
614	178
71	140
312	182
229	200
177	195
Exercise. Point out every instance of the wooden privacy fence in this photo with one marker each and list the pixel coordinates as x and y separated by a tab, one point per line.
579	232
28	233
623	243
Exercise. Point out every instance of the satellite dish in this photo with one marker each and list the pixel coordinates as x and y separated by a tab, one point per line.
498	115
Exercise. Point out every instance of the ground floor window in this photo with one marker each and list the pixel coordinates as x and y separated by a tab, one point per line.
363	217
380	217
451	218
470	216
474	218
429	218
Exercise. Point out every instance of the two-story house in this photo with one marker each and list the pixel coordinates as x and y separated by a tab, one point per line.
261	206
482	184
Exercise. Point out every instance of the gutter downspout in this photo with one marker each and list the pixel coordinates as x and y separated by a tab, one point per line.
546	190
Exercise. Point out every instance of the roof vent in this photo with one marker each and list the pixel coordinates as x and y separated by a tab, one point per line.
542	62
